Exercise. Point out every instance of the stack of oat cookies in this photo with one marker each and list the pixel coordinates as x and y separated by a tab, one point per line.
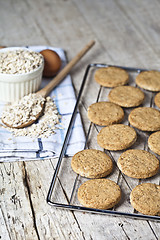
100	192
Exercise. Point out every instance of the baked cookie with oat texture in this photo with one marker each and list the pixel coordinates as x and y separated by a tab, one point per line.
149	80
138	163
116	137
145	198
157	100
99	193
145	118
105	113
126	96
111	76
92	163
154	142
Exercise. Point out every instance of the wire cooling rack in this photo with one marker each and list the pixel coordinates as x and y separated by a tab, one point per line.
65	183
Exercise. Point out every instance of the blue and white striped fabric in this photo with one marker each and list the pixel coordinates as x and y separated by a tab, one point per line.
25	148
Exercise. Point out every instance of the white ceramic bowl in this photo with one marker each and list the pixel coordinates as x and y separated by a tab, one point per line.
15	86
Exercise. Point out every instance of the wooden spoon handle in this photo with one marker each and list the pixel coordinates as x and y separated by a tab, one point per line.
55	81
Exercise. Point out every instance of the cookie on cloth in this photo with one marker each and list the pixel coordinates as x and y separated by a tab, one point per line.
126	96
116	137
105	113
149	80
145	198
99	193
157	100
111	76
92	163
145	118
154	142
138	163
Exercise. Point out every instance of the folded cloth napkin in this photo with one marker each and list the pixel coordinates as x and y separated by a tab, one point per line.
26	148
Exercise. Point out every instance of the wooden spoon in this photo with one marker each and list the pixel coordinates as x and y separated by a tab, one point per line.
52	84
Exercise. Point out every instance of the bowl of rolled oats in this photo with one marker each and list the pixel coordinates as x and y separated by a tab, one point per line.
20	73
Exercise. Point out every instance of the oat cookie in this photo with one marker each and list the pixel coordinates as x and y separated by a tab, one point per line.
99	193
157	99
149	80
111	76
105	113
92	163
126	96
145	118
116	137
138	163
145	198
154	142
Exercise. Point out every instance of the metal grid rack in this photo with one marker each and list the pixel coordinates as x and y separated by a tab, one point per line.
71	203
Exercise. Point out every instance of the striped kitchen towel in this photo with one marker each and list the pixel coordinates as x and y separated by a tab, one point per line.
26	148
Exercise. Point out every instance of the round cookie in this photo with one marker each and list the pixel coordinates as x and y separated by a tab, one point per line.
111	76
116	137
145	118
149	80
154	142
126	96
157	100
99	193
145	198
105	113
92	163
138	163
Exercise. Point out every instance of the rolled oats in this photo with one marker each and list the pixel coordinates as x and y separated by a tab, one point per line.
23	111
46	124
19	61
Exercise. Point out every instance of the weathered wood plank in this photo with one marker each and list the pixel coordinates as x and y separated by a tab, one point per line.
15	204
3	227
24	204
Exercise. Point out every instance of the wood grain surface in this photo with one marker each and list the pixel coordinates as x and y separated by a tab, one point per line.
127	34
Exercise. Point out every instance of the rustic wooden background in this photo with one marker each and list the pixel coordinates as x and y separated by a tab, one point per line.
127	33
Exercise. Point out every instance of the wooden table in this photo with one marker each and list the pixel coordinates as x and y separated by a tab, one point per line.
126	34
